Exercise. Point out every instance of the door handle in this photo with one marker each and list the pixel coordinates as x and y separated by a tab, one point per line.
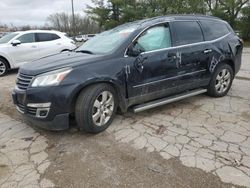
33	46
207	51
172	57
140	60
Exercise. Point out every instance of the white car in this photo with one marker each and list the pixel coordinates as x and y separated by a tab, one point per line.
79	38
87	37
21	47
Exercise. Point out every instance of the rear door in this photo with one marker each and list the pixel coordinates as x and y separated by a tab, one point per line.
49	44
191	50
216	45
26	51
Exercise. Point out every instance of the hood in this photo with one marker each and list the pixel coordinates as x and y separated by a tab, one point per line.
62	60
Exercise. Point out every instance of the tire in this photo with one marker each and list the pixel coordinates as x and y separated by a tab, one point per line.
221	81
3	67
94	111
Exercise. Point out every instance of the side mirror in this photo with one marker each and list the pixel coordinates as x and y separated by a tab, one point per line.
16	42
133	52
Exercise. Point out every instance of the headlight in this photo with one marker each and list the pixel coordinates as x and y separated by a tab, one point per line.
52	78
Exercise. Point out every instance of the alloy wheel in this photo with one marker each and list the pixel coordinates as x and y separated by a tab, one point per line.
103	108
223	80
2	68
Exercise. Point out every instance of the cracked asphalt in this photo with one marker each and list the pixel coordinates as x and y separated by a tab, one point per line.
197	142
22	155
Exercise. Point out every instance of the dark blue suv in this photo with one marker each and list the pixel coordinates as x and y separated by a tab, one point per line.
135	66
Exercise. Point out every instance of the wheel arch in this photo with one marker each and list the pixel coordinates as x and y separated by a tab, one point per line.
230	63
122	104
5	59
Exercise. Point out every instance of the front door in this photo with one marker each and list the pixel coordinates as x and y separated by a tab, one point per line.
25	52
152	74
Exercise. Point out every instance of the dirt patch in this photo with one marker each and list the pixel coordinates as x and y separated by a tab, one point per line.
246	115
4	170
98	161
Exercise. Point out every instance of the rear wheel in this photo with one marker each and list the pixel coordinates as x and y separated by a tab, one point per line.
3	67
221	80
96	108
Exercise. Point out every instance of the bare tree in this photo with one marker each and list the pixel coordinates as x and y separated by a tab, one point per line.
64	22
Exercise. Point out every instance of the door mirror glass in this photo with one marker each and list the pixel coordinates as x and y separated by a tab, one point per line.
16	42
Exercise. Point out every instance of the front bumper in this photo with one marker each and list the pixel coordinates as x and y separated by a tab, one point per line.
45	108
60	122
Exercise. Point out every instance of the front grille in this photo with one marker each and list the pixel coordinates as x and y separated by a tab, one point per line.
23	81
29	110
21	108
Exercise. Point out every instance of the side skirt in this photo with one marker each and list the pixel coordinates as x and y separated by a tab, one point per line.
167	100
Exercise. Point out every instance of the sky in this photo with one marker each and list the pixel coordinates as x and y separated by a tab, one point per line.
35	12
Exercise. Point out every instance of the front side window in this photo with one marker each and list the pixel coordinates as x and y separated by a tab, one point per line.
154	38
187	32
27	38
213	29
44	37
7	38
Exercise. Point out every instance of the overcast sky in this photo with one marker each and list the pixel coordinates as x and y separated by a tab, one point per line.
35	12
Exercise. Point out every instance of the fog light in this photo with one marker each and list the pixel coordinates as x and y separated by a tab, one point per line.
42	112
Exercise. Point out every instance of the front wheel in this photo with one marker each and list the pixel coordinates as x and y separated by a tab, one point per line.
3	67
96	108
221	81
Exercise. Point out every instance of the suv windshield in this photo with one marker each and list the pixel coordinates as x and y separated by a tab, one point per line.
7	38
107	41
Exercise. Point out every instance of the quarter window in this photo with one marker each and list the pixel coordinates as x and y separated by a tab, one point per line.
43	37
213	29
187	32
27	38
154	39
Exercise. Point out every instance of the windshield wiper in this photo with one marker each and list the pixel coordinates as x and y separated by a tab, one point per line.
84	51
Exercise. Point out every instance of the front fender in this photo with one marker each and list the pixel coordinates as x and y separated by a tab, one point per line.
8	58
118	85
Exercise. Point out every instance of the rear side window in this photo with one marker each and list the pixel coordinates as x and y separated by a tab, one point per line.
187	32
27	38
213	29
43	37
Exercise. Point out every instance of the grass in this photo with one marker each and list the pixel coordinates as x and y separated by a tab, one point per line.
247	44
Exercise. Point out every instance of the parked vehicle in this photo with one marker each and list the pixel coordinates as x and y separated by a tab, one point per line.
87	37
18	48
134	66
79	38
